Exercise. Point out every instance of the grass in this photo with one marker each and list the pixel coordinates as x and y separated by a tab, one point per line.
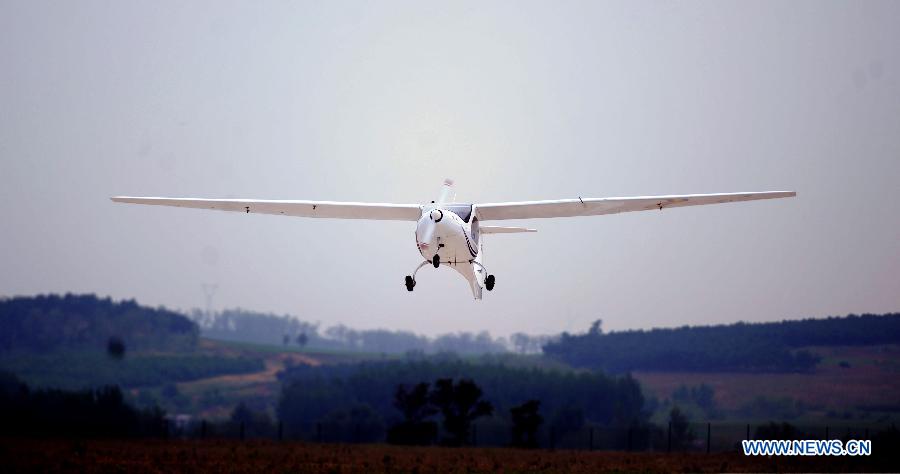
267	456
83	369
278	348
871	379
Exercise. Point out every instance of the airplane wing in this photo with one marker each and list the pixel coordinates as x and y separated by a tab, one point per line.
326	209
601	206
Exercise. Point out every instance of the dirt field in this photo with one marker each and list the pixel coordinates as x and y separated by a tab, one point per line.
264	456
870	376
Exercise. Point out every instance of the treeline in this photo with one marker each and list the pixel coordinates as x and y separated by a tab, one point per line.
261	328
51	322
361	399
58	413
77	370
744	347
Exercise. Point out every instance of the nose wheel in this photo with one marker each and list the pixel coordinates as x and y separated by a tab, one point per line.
436	261
411	279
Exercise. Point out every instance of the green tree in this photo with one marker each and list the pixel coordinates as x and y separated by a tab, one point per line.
415	429
460	404
566	420
682	435
525	422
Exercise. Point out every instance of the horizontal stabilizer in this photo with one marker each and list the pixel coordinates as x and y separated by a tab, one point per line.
493	229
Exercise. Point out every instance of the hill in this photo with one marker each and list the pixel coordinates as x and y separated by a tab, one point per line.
740	347
62	342
47	323
239	325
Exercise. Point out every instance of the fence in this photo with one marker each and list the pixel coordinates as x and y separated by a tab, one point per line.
709	437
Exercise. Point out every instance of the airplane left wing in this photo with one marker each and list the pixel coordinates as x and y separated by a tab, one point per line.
601	206
323	209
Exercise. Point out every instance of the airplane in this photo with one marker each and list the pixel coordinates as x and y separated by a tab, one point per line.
448	233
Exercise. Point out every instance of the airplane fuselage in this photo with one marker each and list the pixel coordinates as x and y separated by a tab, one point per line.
451	233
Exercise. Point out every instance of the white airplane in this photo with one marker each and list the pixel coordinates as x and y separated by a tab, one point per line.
449	233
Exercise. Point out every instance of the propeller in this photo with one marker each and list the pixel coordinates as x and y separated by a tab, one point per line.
435	216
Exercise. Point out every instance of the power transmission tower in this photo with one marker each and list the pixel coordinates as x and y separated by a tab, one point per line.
209	290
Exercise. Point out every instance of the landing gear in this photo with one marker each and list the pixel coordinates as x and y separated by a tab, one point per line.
411	279
436	260
488	282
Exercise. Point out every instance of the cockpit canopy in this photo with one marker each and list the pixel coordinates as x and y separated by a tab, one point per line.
464	211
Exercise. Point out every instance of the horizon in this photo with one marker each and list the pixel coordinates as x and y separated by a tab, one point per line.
189	313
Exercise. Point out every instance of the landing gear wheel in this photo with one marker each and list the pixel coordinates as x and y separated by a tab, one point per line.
436	260
410	283
489	282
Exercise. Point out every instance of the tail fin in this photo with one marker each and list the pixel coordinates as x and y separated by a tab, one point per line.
447	192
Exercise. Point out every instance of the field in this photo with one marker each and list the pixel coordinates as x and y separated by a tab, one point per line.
215	397
862	381
847	380
263	456
859	384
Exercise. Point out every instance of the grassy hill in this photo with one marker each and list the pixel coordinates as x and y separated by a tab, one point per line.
739	347
853	383
45	323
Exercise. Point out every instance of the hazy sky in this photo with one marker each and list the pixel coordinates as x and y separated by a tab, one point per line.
380	101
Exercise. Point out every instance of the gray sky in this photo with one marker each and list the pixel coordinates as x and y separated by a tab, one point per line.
379	101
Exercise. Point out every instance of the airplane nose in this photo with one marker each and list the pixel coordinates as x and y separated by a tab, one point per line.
437	215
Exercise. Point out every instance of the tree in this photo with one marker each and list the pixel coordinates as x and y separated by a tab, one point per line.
285	340
520	341
682	435
703	396
242	414
359	424
460	404
48	323
525	422
302	339
776	431
567	419
255	423
115	348
310	392
415	405
596	327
